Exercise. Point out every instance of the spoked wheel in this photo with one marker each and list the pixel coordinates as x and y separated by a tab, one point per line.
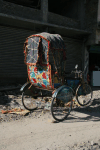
84	94
60	110
61	105
29	102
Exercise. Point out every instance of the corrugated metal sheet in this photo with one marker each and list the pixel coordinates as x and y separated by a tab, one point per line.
73	53
11	52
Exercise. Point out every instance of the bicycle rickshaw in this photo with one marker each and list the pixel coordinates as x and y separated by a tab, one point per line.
45	57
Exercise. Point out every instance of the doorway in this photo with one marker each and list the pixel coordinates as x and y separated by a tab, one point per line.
94	69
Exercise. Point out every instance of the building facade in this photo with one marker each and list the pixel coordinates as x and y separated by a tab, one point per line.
76	21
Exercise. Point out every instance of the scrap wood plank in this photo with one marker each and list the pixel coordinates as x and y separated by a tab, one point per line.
15	111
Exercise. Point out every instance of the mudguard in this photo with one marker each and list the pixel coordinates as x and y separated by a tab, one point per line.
56	92
63	93
25	86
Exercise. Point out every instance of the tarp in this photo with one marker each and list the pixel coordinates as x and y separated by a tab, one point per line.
37	46
56	41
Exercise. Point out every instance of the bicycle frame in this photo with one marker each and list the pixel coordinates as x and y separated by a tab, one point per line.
81	82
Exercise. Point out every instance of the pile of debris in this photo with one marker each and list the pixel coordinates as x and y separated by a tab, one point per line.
11	104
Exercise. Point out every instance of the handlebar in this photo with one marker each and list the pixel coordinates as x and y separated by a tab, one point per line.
74	72
77	73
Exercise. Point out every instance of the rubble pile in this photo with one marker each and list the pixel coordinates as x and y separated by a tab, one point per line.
11	107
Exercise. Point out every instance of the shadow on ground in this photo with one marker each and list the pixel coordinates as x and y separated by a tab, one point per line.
6	100
79	114
89	113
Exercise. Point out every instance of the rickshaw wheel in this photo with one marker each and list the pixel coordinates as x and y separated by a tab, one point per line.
84	94
60	110
29	102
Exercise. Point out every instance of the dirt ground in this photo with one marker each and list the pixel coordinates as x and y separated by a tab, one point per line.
38	130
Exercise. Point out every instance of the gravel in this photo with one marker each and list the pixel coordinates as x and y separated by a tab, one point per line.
89	145
12	100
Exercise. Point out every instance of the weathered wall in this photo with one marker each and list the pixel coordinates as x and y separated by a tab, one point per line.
70	9
81	13
62	21
35	14
98	16
91	10
44	10
20	11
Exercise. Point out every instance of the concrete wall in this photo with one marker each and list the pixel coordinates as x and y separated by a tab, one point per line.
40	15
86	12
81	13
91	11
62	21
20	11
98	25
98	16
44	9
70	9
69	12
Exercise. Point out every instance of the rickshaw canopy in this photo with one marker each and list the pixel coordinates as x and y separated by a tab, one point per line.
37	47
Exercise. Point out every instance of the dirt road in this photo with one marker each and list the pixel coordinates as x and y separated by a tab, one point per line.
44	134
38	130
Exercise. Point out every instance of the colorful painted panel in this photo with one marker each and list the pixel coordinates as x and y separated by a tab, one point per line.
40	76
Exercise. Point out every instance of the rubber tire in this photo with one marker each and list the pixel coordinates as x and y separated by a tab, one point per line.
25	105
59	120
89	101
